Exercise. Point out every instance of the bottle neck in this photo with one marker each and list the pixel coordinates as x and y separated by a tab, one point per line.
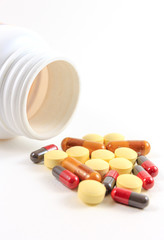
38	93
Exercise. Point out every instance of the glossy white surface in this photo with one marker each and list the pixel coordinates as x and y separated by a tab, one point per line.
23	61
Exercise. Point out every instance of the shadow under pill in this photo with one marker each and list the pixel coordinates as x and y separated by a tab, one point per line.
72	201
108	201
70	197
18	145
54	185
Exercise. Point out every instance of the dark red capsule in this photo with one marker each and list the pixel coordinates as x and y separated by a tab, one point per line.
112	173
38	155
148	181
66	177
148	165
130	198
110	180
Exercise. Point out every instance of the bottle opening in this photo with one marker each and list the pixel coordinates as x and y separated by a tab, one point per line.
52	99
37	93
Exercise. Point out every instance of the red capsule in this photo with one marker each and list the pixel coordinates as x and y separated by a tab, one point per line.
66	177
38	155
148	165
112	173
110	180
130	198
51	147
148	181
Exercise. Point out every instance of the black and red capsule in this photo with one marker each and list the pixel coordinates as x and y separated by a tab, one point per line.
147	179
38	155
66	177
148	165
110	180
130	198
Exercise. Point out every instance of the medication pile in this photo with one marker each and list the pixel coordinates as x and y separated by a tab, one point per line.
99	166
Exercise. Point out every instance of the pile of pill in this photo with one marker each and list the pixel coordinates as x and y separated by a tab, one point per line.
99	166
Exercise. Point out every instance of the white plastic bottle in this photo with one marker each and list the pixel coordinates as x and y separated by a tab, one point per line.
38	93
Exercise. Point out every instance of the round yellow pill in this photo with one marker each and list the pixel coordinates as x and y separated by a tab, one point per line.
78	152
54	158
106	155
98	165
94	138
121	165
127	153
91	192
130	182
113	137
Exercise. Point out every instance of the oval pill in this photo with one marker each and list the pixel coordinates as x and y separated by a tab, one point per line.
148	165
54	158
38	155
78	152
81	170
121	165
104	154
140	146
71	142
110	180
98	165
148	181
113	137
127	153
130	198
129	181
66	177
91	192
94	138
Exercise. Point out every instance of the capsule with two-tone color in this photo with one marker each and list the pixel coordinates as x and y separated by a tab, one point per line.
71	142
38	155
142	147
110	180
148	165
147	179
130	198
66	177
81	170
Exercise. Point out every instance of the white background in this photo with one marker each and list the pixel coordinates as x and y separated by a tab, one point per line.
118	49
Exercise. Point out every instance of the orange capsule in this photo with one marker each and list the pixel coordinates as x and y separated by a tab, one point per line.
71	142
80	170
140	146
